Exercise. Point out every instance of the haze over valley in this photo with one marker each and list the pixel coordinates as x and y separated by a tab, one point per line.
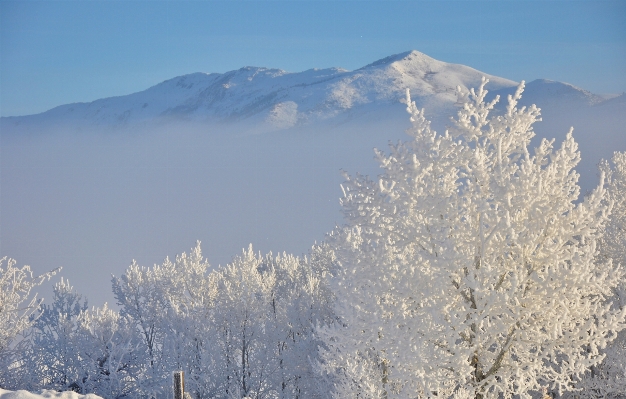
247	156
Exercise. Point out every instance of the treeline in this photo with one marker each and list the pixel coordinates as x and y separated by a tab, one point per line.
245	330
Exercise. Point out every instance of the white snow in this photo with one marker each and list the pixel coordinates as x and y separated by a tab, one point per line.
283	115
46	393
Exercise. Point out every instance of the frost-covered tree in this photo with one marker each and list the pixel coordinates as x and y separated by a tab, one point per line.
613	244
266	312
105	347
169	305
88	351
51	358
18	310
470	261
243	330
608	380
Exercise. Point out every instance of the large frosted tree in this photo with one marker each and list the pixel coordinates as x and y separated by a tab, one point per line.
470	263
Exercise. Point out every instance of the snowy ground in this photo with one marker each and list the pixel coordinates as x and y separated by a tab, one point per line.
46	393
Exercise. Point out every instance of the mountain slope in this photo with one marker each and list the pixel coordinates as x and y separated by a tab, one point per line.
553	94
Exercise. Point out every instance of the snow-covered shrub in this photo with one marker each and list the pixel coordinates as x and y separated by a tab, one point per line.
470	261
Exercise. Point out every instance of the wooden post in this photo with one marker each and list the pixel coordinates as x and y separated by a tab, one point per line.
179	385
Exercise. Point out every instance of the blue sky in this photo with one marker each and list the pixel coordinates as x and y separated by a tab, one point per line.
57	52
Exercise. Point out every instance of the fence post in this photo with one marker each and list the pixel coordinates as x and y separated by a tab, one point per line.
179	384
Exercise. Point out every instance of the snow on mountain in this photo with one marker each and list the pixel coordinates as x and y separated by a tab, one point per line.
619	99
549	93
273	97
92	186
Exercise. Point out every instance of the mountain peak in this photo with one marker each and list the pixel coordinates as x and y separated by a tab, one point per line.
407	56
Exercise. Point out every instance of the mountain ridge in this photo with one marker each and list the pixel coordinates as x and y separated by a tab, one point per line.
259	94
264	93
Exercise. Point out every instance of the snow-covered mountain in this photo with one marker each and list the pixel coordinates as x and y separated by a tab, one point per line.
551	94
91	186
274	98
